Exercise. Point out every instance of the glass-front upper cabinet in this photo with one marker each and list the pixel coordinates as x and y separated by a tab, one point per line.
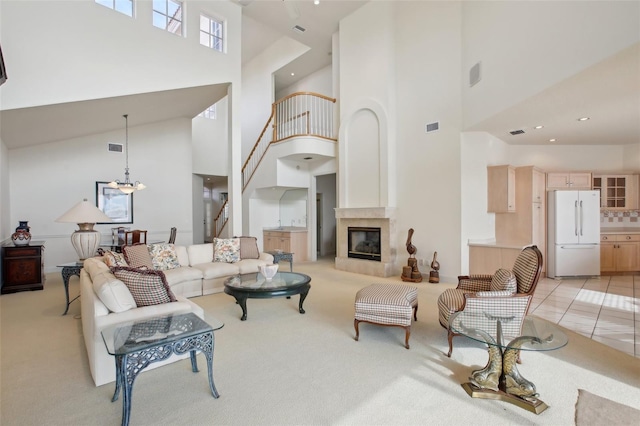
617	191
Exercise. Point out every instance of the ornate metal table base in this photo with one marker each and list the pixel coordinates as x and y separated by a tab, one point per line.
67	272
286	256
129	366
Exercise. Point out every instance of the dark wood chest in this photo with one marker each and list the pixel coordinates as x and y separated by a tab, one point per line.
23	267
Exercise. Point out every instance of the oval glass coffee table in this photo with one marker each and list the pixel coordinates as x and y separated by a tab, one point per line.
500	378
256	286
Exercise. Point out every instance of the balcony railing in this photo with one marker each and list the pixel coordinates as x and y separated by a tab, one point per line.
299	114
221	219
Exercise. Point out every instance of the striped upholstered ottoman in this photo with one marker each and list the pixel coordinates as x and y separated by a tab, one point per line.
387	304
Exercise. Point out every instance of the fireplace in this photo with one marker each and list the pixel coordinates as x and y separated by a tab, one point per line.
367	220
364	243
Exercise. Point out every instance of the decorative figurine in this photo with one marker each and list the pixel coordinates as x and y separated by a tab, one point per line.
411	272
434	276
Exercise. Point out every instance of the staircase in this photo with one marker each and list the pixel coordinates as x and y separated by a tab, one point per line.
301	114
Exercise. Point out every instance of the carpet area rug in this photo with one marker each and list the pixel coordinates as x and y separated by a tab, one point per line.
595	410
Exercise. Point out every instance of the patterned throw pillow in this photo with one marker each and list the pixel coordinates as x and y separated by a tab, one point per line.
226	250
112	258
147	286
503	280
137	256
249	248
163	256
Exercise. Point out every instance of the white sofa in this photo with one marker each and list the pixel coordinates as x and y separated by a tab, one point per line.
197	275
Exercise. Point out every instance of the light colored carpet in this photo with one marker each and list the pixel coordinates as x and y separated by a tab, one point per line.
593	410
283	368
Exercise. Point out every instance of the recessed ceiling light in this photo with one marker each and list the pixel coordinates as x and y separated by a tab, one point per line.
538	127
293	73
316	2
583	118
552	140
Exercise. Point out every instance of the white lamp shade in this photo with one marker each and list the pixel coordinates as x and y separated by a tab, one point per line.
84	212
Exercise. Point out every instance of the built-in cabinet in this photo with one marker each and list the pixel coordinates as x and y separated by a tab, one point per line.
287	241
568	180
619	252
527	225
617	191
488	259
501	189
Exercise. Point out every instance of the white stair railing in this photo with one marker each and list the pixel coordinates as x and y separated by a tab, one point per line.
299	114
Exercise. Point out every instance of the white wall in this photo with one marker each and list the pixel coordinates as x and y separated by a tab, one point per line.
631	157
411	51
63	51
5	224
527	46
211	142
258	89
319	82
47	180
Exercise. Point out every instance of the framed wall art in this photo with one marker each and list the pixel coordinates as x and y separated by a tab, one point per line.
114	203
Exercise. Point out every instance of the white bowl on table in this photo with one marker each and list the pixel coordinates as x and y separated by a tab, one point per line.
269	271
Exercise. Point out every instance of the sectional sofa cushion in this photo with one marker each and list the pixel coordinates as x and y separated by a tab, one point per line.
138	256
147	286
226	250
112	292
249	248
163	256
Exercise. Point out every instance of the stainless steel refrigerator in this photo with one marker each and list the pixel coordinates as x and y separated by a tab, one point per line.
573	233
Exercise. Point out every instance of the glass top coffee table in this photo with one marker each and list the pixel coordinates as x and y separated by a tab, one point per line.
136	344
500	378
256	286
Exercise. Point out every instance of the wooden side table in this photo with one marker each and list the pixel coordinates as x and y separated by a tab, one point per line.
22	267
282	255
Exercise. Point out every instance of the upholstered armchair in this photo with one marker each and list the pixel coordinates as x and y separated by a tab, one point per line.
508	291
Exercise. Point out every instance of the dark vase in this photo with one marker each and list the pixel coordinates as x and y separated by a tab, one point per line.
22	236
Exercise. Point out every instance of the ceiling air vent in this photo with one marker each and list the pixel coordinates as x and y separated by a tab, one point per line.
299	29
432	127
516	132
115	147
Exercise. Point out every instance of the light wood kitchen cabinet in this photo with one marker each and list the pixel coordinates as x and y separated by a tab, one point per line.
619	252
287	241
566	180
487	259
617	191
501	189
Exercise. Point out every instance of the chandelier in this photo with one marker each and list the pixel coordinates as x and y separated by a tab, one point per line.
127	187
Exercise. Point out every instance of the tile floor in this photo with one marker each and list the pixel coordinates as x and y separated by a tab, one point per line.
606	308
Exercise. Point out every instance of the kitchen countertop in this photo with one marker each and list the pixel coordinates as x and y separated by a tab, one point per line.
494	244
619	230
286	229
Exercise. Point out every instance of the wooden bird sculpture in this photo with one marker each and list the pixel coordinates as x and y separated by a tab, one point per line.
410	247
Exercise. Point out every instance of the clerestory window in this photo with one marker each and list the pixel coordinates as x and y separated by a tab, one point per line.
212	33
122	6
167	14
209	112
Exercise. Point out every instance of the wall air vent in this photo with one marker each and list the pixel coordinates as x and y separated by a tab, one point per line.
299	29
115	147
516	132
432	127
474	74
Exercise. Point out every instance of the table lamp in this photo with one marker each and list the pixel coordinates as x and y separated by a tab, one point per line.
85	240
